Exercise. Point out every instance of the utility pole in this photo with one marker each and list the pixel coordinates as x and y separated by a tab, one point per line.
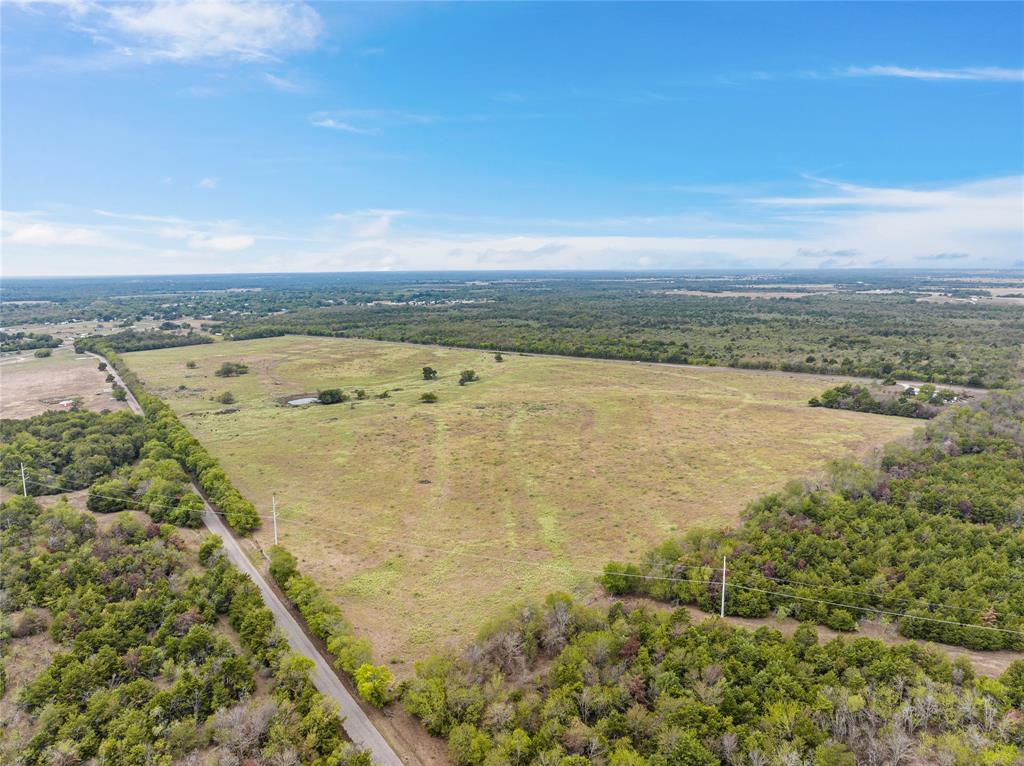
24	486
273	502
723	587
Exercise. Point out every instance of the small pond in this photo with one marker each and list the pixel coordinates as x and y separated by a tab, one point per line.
303	400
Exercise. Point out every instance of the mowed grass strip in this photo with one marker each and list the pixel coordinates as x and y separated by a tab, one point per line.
558	463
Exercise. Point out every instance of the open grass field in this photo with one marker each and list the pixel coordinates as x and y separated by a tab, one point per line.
424	520
30	386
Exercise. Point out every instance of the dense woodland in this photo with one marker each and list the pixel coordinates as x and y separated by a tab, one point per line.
67	451
856	330
871	336
558	684
155	657
933	531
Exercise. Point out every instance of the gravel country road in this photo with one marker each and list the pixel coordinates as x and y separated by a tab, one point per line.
358	727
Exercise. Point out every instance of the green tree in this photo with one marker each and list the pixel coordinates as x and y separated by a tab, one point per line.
429	373
332	396
373	682
283	565
231	370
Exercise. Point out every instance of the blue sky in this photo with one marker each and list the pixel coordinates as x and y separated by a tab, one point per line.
221	137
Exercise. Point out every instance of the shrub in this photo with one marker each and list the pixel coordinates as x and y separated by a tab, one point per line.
283	565
226	398
231	370
428	397
467	376
29	623
332	396
42	353
209	548
109	496
840	619
191	364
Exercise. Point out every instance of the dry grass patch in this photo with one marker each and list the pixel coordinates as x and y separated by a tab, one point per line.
424	520
30	385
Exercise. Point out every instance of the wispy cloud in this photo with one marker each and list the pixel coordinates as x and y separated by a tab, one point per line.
822	223
194	30
345	127
944	257
27	229
375	121
986	74
283	83
208	183
370	223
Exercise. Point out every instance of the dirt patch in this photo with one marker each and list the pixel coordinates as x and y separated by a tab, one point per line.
31	386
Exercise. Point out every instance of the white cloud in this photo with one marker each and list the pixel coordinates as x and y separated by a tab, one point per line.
196	30
208	183
988	74
330	122
369	224
229	243
51	235
282	83
829	224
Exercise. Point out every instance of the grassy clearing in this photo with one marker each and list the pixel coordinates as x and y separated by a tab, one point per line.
559	462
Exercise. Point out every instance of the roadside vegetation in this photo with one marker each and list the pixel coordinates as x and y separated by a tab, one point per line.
153	654
161	421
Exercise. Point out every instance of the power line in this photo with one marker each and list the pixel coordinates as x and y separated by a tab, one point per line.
878	611
564	568
658	578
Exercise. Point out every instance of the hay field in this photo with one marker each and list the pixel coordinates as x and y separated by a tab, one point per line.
424	520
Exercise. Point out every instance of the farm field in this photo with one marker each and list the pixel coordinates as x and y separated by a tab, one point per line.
30	386
424	520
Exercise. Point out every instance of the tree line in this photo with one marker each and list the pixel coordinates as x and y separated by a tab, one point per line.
26	341
932	531
239	513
